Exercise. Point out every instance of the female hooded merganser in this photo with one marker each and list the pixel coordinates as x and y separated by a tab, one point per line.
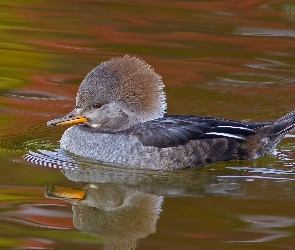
121	106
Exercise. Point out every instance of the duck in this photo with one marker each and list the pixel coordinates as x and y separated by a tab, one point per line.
120	119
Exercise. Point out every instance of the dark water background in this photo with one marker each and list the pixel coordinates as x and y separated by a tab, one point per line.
233	59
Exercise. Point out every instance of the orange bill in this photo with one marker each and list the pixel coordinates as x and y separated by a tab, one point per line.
58	192
67	120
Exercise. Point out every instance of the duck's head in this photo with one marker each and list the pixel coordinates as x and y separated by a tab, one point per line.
117	95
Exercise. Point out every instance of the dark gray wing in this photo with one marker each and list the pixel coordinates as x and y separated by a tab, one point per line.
174	130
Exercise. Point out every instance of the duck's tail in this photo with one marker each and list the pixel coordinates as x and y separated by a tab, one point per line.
284	124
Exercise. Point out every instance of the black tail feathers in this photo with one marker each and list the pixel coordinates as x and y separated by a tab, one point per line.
285	124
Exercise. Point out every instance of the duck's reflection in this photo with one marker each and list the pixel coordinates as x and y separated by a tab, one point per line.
119	214
118	204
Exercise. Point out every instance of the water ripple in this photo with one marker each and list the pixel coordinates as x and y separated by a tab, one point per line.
253	31
266	227
52	159
252	79
274	65
32	95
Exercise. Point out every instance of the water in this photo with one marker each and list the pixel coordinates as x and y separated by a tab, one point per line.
219	58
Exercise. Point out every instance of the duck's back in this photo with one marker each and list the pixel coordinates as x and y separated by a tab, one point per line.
178	141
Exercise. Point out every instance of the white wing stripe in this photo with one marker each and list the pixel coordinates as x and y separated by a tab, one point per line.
227	135
241	128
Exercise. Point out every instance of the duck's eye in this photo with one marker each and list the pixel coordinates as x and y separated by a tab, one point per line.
97	105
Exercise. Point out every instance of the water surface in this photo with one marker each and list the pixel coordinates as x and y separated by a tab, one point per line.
218	58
